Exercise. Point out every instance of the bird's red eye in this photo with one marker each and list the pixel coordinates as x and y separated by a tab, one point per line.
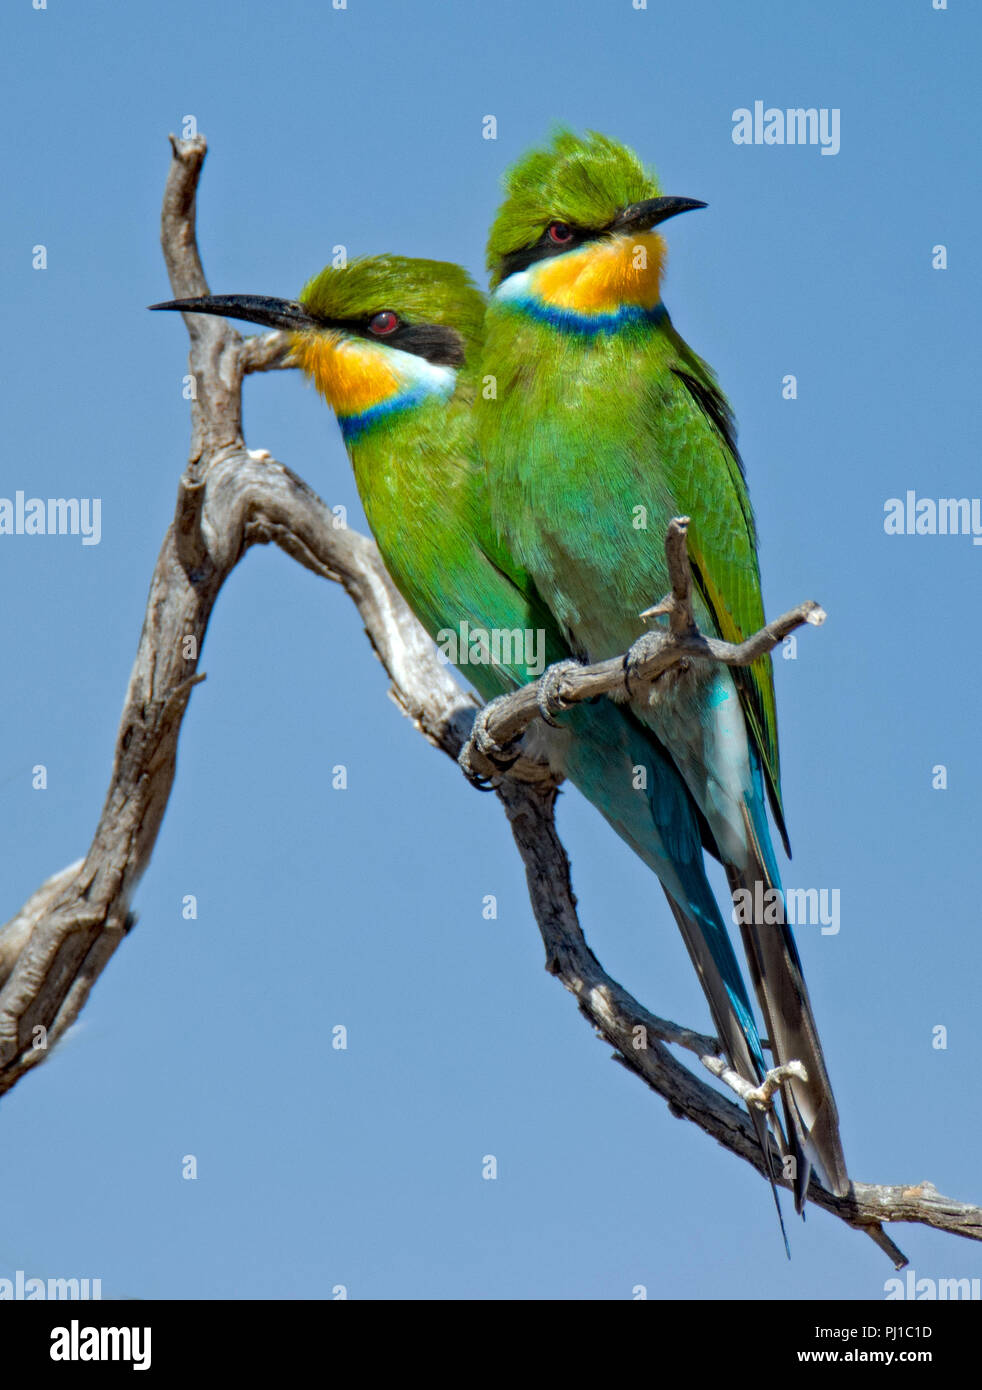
384	323
560	233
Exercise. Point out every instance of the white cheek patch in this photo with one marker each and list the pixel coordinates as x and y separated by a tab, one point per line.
517	286
418	375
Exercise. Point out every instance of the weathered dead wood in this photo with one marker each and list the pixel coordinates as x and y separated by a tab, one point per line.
500	724
230	498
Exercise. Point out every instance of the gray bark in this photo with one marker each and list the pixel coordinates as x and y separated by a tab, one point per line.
228	499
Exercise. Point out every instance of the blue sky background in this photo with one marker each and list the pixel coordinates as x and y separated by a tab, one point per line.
363	907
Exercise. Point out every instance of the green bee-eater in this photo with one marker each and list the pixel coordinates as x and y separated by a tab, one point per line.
394	346
605	426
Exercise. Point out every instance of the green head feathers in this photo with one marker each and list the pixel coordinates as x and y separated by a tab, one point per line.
582	180
419	291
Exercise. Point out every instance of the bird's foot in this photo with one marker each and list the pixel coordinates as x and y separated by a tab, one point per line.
646	648
482	760
763	1095
549	691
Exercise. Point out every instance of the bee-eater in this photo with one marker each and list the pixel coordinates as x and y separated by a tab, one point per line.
394	346
605	426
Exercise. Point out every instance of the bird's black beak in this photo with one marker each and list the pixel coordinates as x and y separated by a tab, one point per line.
254	308
641	217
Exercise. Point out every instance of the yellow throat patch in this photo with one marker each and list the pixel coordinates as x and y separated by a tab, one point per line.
601	276
350	374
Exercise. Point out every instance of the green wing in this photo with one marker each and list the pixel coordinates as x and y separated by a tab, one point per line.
723	551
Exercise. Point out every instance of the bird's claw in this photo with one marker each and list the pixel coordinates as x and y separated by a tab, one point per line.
549	691
649	644
482	760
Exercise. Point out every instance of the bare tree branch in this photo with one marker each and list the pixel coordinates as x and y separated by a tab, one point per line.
502	722
230	498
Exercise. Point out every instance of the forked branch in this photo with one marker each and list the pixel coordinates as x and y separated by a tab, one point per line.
230	498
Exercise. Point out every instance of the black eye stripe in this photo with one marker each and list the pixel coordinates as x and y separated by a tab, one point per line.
436	342
545	246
